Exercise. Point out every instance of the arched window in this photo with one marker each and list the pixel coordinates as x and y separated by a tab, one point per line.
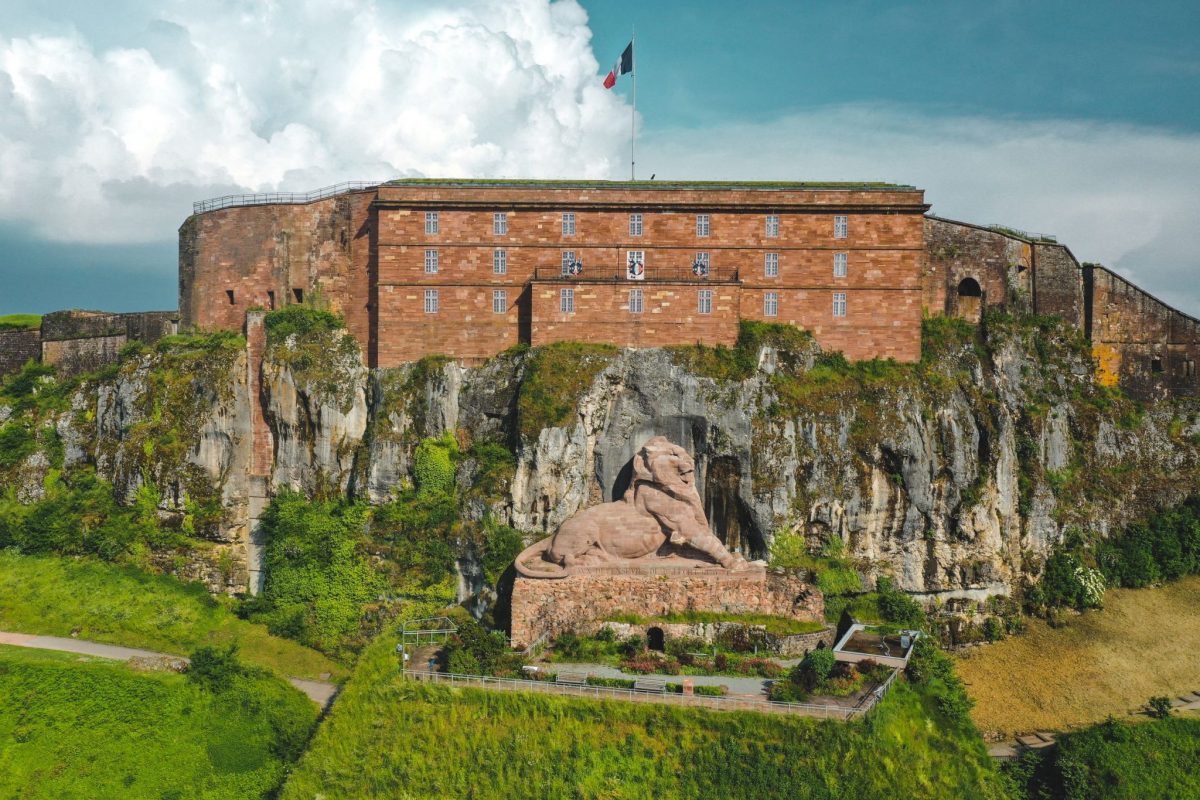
969	287
655	639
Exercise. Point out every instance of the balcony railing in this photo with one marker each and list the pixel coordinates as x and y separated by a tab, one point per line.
278	198
608	272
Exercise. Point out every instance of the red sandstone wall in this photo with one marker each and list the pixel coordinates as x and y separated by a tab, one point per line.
256	250
956	251
1139	342
670	314
1058	284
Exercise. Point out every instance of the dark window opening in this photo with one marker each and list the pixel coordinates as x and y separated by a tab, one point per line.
229	294
655	639
298	294
1156	364
969	287
271	300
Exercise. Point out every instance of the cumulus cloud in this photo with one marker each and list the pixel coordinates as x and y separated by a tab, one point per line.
1122	195
111	143
110	126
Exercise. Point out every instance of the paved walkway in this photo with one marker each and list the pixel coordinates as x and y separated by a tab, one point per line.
320	692
744	686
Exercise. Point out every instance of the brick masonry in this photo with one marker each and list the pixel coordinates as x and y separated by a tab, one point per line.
543	606
365	254
408	292
18	347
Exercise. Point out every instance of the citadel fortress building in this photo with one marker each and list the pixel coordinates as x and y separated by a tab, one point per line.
468	268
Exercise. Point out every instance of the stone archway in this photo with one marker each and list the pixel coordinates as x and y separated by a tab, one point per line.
969	300
656	639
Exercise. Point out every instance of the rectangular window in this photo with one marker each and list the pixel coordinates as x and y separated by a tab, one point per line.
431	262
500	223
500	261
568	223
271	300
771	265
702	224
298	294
700	266
499	301
229	294
566	301
431	222
704	304
431	301
772	226
841	227
568	262
635	224
839	264
839	304
635	301
771	304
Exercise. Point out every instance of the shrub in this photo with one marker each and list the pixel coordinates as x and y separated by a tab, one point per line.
993	629
631	646
215	668
301	320
896	606
815	669
1160	707
433	465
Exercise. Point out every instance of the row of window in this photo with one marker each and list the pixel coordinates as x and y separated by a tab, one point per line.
841	224
571	264
637	303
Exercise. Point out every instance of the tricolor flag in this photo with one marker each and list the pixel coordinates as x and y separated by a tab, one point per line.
624	66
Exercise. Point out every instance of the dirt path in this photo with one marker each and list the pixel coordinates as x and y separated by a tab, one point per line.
319	692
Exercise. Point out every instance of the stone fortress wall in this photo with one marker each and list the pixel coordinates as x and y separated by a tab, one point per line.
364	252
78	341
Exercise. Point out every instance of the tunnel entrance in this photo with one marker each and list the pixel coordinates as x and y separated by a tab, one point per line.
655	639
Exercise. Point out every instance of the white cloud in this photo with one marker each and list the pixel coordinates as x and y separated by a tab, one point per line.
1121	195
111	144
107	136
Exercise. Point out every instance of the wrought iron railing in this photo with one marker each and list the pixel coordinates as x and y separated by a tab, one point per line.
273	198
608	272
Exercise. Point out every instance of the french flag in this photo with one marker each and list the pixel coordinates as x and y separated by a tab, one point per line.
624	66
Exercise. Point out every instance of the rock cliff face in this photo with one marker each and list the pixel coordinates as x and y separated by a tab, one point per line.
956	476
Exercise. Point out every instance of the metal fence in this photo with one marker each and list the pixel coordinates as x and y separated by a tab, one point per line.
842	713
273	198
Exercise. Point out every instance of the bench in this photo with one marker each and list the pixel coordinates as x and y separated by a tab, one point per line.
571	678
653	685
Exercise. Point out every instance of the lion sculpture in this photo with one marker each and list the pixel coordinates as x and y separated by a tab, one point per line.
660	506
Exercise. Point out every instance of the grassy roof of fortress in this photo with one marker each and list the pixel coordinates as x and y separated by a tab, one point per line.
665	184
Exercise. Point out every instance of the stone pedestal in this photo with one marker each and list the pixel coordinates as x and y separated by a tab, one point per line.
550	606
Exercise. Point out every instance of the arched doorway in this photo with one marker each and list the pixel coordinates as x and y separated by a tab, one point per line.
969	303
655	640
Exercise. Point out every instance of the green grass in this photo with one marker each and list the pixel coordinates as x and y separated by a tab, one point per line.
20	322
390	738
72	728
555	377
777	626
1117	761
126	606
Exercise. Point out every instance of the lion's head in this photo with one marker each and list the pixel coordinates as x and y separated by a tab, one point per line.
666	464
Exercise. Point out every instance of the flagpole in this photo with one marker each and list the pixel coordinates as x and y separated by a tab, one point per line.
633	111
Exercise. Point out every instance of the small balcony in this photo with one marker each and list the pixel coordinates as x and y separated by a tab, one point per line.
609	273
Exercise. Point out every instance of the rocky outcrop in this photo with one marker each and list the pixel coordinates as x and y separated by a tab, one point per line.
956	476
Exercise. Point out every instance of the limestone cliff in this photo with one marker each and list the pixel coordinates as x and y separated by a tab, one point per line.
956	476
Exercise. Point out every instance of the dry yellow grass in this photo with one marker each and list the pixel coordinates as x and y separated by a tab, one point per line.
1144	642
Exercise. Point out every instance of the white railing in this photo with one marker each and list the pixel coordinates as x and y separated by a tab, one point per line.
695	700
277	198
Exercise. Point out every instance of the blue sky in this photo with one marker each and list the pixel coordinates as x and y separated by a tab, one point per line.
113	120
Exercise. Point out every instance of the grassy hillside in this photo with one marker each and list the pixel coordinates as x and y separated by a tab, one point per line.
389	738
1117	761
1108	661
122	605
11	322
78	729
